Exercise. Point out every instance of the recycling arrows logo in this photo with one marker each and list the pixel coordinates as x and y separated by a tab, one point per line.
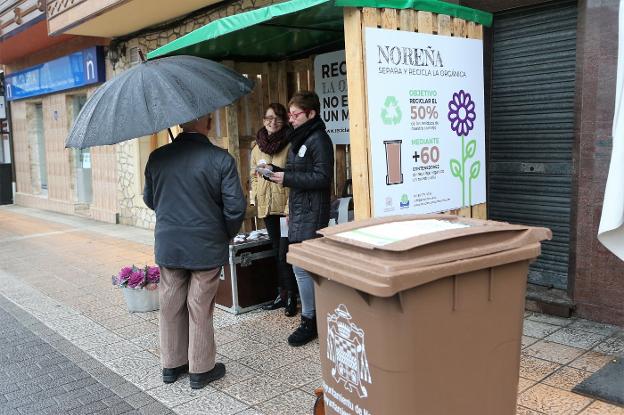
391	113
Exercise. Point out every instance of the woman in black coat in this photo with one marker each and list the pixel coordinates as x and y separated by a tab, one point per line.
309	174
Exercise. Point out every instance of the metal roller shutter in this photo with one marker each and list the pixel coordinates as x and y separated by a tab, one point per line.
532	127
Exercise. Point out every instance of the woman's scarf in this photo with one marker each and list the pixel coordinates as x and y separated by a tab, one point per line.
301	133
272	143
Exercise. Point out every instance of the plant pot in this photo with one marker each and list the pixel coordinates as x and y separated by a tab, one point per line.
141	300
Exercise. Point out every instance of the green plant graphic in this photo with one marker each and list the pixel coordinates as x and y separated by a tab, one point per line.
459	169
391	113
462	116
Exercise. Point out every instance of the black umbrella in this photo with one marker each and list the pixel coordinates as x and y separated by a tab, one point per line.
153	96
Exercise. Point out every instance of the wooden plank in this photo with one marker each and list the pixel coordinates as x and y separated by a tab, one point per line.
248	67
470	29
341	168
444	25
459	27
479	211
389	19
311	73
359	142
474	30
282	84
425	22
254	110
434	23
222	130
264	81
153	142
407	20
233	135
370	17
300	65
465	212
271	81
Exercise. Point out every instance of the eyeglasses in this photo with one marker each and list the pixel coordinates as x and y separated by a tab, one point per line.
269	120
296	114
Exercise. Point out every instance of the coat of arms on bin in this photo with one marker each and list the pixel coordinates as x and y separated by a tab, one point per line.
345	348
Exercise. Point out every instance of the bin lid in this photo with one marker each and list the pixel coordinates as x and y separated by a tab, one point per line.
383	256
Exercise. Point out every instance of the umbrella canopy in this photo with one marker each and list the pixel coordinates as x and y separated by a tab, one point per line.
153	96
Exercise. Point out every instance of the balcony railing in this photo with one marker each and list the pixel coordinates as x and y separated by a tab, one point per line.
56	7
14	14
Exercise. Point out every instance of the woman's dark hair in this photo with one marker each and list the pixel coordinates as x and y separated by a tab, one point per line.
307	101
279	110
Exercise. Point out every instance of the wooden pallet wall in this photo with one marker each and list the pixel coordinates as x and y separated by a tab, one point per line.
235	127
355	20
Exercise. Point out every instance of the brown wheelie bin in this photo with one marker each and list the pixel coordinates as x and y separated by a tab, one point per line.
420	314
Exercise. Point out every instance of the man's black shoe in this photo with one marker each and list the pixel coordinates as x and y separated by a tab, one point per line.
305	333
277	303
170	375
199	380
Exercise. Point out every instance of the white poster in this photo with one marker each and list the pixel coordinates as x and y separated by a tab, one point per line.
611	230
426	121
330	78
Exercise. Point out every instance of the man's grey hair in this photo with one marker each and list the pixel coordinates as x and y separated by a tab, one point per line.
190	124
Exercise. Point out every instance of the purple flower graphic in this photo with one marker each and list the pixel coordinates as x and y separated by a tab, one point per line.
461	113
462	116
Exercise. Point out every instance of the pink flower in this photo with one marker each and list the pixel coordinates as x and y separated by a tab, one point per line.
146	277
123	275
136	279
153	274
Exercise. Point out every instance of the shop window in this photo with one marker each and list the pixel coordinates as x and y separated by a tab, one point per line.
82	157
38	165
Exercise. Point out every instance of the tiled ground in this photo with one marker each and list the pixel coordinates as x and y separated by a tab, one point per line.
58	269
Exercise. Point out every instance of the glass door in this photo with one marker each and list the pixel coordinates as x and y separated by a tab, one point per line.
82	159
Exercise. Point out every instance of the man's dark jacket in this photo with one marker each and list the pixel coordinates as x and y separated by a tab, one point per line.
309	172
193	187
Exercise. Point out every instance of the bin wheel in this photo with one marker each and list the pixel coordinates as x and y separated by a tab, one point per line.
319	404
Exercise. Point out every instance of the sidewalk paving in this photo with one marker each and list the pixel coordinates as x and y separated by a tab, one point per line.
57	268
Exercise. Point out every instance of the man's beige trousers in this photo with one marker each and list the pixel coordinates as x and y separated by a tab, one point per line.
187	300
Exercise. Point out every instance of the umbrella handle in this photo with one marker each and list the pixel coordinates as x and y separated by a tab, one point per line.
170	133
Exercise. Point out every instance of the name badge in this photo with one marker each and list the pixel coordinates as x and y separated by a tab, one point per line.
302	151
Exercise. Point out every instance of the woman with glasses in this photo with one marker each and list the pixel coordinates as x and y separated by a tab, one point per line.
308	175
272	144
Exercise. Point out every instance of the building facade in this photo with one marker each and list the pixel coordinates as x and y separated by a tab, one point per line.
550	86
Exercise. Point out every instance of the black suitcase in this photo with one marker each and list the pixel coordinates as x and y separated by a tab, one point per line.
250	278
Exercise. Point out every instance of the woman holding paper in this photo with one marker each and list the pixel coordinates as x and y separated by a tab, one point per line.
271	149
308	174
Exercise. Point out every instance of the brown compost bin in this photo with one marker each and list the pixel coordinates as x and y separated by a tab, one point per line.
420	324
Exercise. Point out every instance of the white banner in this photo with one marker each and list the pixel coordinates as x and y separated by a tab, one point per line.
330	84
611	230
426	121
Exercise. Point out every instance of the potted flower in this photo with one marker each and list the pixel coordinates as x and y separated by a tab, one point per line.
139	286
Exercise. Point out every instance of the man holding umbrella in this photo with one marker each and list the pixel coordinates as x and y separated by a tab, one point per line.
194	188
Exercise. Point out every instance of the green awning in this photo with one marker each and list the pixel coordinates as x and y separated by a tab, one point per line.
296	28
291	30
435	6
